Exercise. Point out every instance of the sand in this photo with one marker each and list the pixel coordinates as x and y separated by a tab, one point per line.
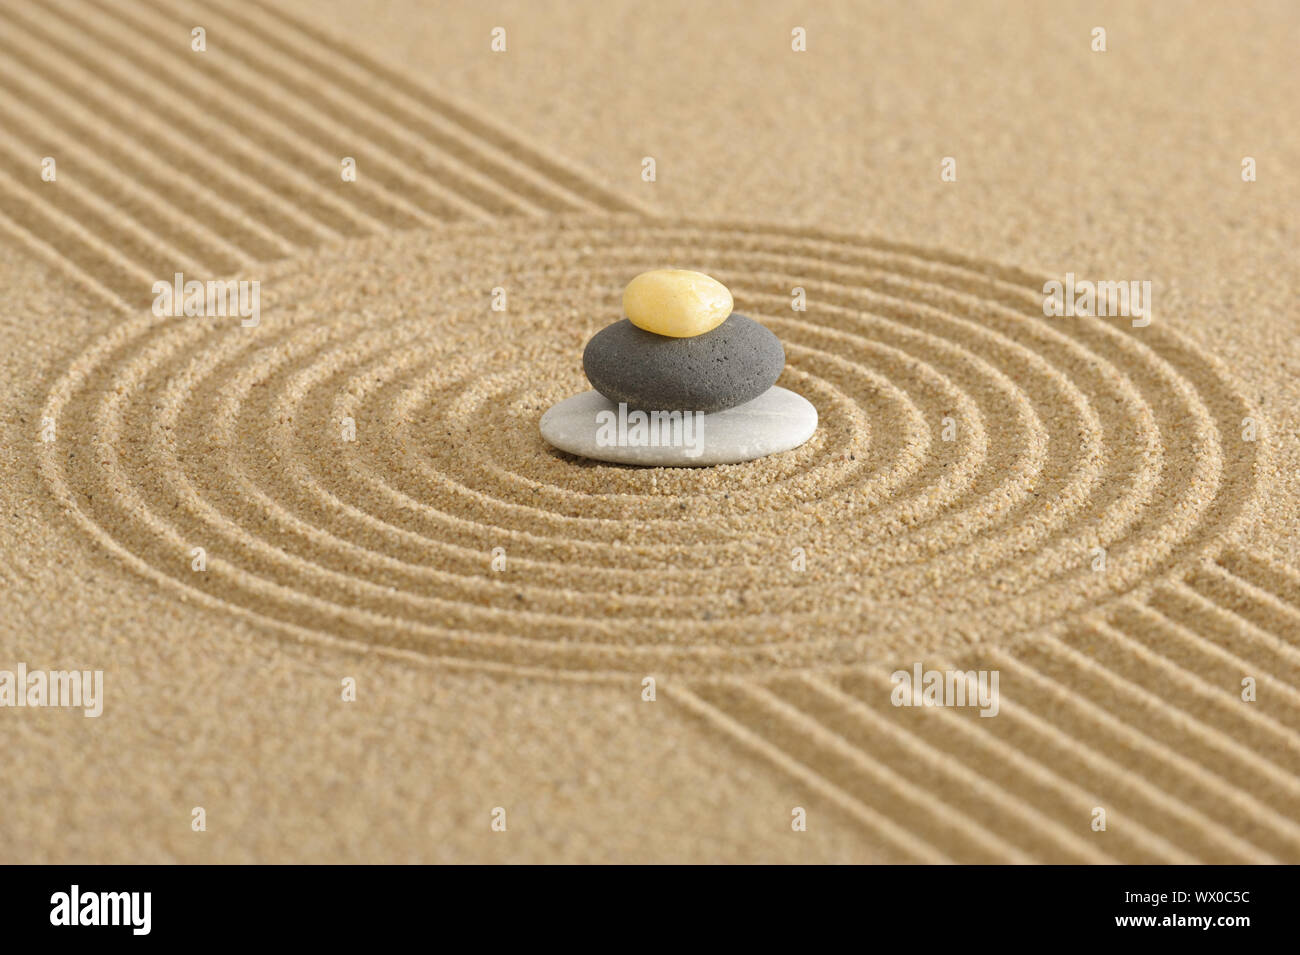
363	473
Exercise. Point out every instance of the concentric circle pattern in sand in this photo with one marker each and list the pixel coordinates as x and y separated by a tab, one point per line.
1067	435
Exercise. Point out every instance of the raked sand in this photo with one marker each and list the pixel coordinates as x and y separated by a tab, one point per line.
1099	512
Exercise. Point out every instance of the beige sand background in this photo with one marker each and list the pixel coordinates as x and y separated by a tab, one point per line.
523	689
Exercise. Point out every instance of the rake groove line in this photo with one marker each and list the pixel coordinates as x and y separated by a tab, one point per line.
1181	832
1000	812
1260	649
1056	798
75	203
322	132
409	146
1172	682
1080	766
1263	608
524	163
1062	827
100	165
305	150
169	123
56	259
1181	733
1238	816
1279	580
908	841
86	253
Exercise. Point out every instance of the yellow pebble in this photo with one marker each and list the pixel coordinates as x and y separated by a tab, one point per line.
676	302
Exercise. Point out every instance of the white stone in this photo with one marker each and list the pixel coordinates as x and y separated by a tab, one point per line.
594	427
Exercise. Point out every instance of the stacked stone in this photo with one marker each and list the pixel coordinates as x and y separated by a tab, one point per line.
681	382
682	348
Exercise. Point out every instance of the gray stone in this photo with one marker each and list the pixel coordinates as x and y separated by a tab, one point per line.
594	427
734	363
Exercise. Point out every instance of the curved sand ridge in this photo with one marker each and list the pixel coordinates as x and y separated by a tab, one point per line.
1070	434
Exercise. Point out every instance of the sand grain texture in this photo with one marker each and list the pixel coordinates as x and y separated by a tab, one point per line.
972	455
